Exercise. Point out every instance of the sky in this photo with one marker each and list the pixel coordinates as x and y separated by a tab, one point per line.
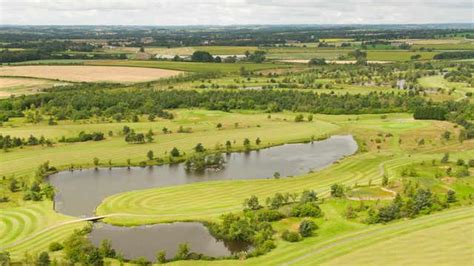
233	12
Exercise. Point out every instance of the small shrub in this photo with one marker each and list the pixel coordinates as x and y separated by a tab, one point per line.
55	246
309	209
290	236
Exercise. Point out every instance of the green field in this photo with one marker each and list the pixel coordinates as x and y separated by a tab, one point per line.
380	55
25	228
458	89
189	66
397	154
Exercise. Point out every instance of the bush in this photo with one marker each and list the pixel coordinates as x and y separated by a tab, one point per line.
252	203
55	246
307	227
161	256
308	196
268	215
43	259
290	236
337	191
309	209
183	252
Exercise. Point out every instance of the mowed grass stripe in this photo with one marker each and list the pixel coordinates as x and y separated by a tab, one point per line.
41	242
317	253
21	222
204	195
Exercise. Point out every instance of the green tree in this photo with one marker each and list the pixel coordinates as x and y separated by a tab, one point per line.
43	259
317	62
308	196
307	227
199	148
252	203
202	56
299	118
5	258
96	162
151	117
290	236
446	135
175	152
228	145
49	191
13	185
337	191
161	256
246	143
258	141
55	246
150	155
149	136
445	158
183	252
451	196
106	249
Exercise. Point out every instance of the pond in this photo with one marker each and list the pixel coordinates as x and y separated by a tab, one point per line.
147	240
80	192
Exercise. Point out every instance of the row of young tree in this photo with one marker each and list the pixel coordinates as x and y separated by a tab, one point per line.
7	141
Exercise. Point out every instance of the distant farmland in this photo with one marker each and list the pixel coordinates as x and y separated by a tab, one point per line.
89	73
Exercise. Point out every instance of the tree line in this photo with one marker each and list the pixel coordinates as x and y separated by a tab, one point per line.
118	104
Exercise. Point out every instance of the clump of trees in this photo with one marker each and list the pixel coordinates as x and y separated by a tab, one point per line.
203	56
136	138
200	162
78	249
455	55
245	228
423	201
83	137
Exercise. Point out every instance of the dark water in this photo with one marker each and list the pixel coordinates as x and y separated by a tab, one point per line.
80	192
145	241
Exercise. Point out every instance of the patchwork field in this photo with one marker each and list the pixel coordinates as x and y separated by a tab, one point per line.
88	73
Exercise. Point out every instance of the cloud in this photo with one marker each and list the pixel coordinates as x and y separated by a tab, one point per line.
224	12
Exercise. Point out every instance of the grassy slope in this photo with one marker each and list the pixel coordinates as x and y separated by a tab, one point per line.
343	243
206	201
445	243
22	228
